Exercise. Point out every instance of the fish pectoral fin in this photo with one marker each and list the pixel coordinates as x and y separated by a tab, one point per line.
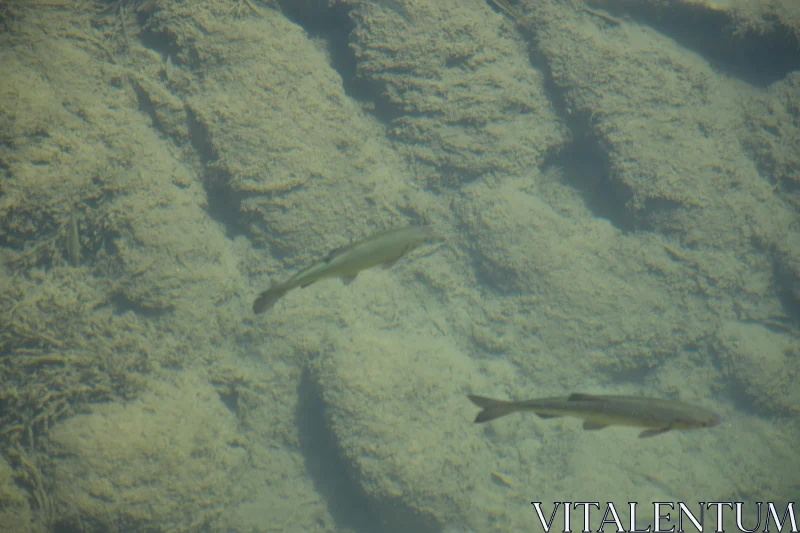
653	432
347	280
589	425
390	264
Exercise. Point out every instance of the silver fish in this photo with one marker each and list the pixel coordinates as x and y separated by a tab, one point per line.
384	248
656	415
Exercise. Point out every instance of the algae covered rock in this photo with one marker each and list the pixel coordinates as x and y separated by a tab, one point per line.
16	514
762	364
161	463
396	405
460	96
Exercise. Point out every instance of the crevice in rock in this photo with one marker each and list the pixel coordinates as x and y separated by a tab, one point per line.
538	61
582	162
68	526
741	400
229	398
633	371
453	178
758	59
122	304
334	477
147	107
160	42
329	26
585	167
153	35
223	202
787	287
347	503
494	275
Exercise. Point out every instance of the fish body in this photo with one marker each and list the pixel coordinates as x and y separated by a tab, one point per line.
656	415
383	248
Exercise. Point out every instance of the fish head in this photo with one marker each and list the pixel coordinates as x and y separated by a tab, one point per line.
697	420
706	418
420	235
713	419
429	233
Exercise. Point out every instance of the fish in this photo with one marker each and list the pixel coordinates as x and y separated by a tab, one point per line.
656	415
384	248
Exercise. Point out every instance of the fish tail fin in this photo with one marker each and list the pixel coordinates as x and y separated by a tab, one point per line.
267	299
492	408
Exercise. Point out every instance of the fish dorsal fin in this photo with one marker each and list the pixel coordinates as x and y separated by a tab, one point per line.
588	425
580	397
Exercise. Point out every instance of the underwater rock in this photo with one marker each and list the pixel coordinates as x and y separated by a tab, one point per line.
16	515
168	461
762	364
396	406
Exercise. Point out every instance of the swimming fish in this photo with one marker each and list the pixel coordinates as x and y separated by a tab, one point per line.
384	248
656	415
